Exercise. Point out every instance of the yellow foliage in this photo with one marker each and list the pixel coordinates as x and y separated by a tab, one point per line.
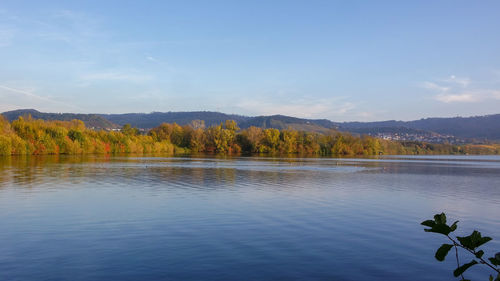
29	136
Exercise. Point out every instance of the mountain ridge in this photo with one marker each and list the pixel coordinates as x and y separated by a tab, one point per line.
486	127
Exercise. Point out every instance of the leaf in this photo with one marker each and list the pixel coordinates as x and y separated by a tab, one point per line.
439	228
494	261
474	240
461	269
440	218
453	227
439	225
429	223
479	254
465	241
482	241
443	251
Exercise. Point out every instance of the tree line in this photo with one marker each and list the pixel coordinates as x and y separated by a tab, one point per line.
28	136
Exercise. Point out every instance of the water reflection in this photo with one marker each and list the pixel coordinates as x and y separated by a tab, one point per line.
233	218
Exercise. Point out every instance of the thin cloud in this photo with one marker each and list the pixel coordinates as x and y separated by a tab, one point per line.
300	108
459	90
434	86
462	81
457	98
25	93
34	99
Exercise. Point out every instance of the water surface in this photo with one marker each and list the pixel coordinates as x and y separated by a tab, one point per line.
188	218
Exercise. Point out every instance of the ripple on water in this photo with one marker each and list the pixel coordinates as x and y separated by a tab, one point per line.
167	218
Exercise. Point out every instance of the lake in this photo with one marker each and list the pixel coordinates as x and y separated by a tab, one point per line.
240	218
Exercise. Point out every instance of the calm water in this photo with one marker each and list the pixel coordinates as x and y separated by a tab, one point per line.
159	218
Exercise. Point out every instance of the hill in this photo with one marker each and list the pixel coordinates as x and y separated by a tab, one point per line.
154	119
457	129
90	120
282	122
476	127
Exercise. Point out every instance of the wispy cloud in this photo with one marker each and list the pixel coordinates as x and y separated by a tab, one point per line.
434	86
304	107
24	92
447	98
29	98
455	89
462	81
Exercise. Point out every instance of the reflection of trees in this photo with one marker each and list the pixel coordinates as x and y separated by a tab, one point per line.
31	171
212	173
218	173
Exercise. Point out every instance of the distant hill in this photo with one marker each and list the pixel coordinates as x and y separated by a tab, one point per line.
282	122
469	128
388	130
477	127
154	119
90	120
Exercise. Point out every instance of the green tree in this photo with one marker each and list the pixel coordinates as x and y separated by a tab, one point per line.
128	130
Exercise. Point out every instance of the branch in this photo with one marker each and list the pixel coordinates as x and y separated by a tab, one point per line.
456	254
472	252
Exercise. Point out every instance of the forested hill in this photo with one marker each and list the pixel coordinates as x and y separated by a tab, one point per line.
90	120
282	122
154	119
477	127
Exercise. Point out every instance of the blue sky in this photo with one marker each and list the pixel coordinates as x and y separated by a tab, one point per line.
340	60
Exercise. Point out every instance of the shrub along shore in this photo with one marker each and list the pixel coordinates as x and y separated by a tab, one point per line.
27	136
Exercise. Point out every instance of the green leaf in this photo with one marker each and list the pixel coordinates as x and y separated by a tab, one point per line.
453	227
494	261
439	228
443	251
461	269
440	218
465	241
439	225
479	254
482	241
474	240
429	223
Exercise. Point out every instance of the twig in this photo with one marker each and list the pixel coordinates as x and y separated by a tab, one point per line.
456	254
472	252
